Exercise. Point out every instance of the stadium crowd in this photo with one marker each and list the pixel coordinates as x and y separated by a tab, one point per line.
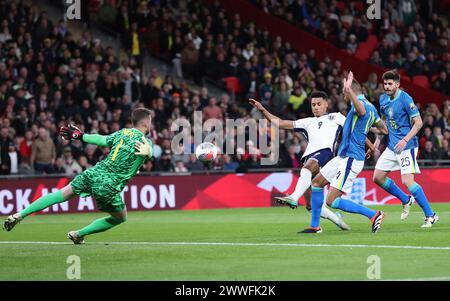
48	79
412	35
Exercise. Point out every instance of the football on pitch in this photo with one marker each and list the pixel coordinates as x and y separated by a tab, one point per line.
206	152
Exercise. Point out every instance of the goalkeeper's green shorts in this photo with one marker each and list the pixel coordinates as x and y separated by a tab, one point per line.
102	188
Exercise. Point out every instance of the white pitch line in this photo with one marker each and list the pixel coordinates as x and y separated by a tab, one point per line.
232	244
420	279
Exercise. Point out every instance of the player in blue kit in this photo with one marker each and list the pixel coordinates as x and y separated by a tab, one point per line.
404	122
341	171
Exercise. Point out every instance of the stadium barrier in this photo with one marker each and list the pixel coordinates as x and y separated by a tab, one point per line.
208	191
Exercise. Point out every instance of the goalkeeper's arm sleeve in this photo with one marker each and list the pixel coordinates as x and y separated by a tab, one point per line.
99	140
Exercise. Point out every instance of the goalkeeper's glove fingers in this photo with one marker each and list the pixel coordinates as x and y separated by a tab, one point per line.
71	132
143	149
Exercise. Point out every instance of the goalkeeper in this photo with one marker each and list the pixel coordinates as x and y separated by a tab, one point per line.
105	180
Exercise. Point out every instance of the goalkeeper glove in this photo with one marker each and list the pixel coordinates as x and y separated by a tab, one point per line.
71	132
143	149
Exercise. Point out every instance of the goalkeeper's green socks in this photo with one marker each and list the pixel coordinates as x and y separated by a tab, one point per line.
42	203
100	225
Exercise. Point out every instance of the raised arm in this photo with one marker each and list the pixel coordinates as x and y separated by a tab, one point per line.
283	124
359	106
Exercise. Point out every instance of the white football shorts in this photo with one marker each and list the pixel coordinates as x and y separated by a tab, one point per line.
406	161
341	172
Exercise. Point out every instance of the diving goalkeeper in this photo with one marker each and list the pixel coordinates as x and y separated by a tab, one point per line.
105	180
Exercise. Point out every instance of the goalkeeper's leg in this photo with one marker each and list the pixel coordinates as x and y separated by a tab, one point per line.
43	202
99	225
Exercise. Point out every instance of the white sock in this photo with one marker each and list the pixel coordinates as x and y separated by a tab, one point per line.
328	214
303	184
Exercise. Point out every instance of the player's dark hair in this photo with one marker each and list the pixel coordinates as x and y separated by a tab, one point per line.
392	74
319	94
139	114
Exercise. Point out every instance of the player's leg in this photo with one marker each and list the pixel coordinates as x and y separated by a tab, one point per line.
43	202
335	217
326	213
310	169
326	173
381	179
318	160
117	215
387	162
307	196
410	167
304	182
317	200
98	225
348	170
418	193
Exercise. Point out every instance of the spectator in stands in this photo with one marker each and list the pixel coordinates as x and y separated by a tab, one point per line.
429	153
133	42
5	142
12	162
164	163
443	151
180	167
189	60
442	83
43	152
212	110
281	98
25	145
59	166
229	164
70	165
194	164
291	159
352	45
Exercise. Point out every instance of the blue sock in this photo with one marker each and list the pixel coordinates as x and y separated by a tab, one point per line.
421	199
352	207
393	189
316	205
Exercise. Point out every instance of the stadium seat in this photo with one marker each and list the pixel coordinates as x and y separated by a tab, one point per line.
365	49
359	6
406	78
421	80
340	5
434	77
232	84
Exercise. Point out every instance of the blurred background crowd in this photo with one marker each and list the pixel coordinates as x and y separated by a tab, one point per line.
49	77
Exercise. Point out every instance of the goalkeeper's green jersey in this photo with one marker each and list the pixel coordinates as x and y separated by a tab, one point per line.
121	164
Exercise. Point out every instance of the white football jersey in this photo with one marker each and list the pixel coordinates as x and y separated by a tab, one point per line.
322	131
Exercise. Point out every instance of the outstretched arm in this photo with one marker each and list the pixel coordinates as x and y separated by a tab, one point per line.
96	139
283	124
72	132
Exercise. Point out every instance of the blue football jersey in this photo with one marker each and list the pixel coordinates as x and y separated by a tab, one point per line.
398	113
354	133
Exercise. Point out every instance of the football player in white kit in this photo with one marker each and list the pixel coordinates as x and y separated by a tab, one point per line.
322	130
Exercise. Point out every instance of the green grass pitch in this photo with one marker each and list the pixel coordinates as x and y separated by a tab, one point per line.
229	244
